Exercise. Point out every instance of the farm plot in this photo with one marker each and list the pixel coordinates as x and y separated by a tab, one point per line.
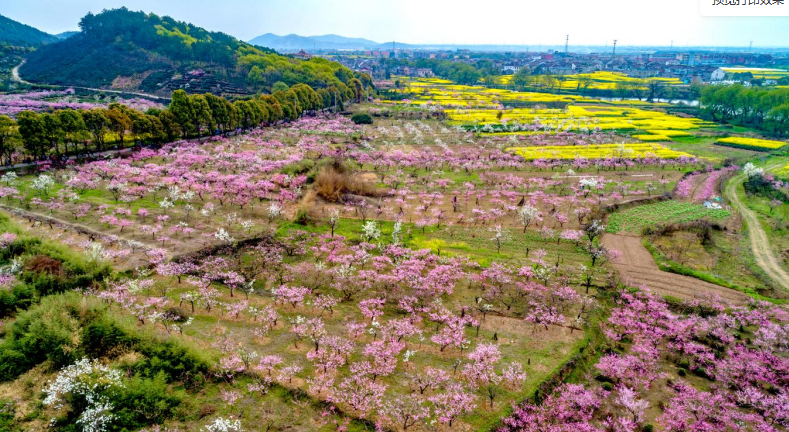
635	219
751	143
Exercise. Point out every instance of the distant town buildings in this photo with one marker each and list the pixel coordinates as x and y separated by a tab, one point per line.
687	66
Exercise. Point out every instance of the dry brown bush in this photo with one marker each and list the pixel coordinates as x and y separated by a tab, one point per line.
335	181
44	264
206	410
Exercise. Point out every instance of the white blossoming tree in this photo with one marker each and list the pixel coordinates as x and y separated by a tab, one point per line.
43	184
87	381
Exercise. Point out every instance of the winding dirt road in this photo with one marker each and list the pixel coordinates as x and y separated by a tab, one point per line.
760	243
637	268
15	74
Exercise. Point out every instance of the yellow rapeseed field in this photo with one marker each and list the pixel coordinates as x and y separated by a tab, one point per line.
669	133
477	105
598	151
758	72
601	80
652	137
751	143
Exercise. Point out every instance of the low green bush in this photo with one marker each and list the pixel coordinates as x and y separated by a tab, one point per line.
145	401
7	414
176	361
45	333
47	269
362	118
297	168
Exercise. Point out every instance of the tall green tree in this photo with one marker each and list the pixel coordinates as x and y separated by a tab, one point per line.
9	137
222	112
97	125
53	131
74	128
33	132
120	122
183	111
779	119
203	119
522	78
170	127
141	125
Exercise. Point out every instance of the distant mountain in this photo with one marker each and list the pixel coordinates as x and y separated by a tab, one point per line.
342	39
294	42
66	35
16	33
136	51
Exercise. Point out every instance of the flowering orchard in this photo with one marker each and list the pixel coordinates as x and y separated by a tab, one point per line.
405	275
738	350
193	195
51	100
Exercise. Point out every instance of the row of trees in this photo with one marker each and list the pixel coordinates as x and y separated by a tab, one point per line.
765	109
461	73
486	72
72	131
640	88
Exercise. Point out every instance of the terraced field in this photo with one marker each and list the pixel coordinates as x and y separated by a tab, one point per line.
637	268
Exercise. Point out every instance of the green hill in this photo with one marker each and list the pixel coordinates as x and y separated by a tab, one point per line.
16	33
136	51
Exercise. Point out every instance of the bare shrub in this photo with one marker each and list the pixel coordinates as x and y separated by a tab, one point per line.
333	182
44	264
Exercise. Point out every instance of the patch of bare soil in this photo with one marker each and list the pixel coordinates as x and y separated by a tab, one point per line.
513	327
637	268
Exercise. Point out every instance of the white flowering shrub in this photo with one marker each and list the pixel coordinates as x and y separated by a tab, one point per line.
95	252
88	380
274	210
166	204
223	425
396	231
588	183
9	178
750	170
223	235
43	183
371	231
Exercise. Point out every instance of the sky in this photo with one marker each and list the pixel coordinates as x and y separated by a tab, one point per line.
512	22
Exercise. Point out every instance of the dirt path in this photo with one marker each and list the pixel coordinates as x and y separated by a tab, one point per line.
15	74
760	243
637	267
77	227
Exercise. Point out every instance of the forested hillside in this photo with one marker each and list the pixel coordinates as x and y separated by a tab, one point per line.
128	50
15	33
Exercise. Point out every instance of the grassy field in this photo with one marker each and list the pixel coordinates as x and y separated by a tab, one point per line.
725	259
635	219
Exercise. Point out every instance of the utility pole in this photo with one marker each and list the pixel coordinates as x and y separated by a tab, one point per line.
750	46
613	53
566	43
672	43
